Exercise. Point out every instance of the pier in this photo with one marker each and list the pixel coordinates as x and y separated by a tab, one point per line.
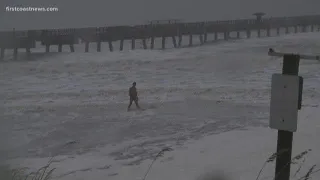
167	30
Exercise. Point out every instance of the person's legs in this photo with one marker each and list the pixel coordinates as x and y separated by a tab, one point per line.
130	103
136	102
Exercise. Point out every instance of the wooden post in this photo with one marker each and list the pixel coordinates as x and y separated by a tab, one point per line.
226	36
110	46
15	53
15	48
287	30
304	29
179	34
296	29
174	41
180	40
86	46
201	39
71	48
28	48
47	48
60	48
215	36
152	42
312	28
2	53
163	42
190	40
268	32
28	51
259	33
205	37
30	39
144	43
238	34
99	46
284	142
248	34
121	44
278	31
133	43
30	45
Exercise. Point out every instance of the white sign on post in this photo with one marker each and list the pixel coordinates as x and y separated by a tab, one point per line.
284	102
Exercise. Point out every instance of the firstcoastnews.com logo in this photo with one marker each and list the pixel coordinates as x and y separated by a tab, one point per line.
31	9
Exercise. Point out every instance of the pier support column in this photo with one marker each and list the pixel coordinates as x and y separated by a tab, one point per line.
86	48
110	46
268	32
133	44
180	40
296	29
287	30
60	48
226	36
163	42
15	53
47	48
259	33
304	29
238	34
2	53
152	43
28	51
190	40
71	48
278	31
144	43
121	44
174	41
215	36
205	37
312	28
248	34
201	39
99	46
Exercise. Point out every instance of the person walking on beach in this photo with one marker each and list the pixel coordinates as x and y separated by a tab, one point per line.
133	94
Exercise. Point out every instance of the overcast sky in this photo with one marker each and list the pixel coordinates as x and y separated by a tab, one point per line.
85	13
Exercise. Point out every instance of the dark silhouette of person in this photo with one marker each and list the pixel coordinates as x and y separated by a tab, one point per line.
133	96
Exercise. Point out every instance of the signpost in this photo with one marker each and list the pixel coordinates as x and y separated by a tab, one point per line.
286	98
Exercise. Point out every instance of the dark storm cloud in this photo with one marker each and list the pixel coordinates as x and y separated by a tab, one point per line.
84	13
